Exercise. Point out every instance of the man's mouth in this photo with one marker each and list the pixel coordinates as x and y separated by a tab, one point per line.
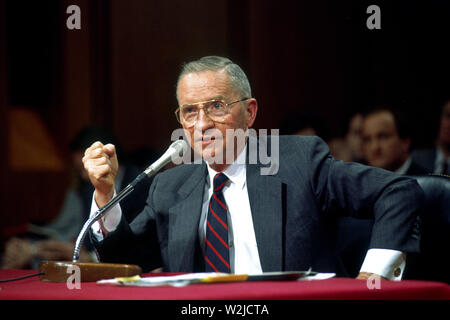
206	140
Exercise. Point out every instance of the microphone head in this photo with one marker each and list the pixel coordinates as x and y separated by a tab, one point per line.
174	152
180	146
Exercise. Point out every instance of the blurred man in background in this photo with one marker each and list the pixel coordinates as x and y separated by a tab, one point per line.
386	142
55	240
437	159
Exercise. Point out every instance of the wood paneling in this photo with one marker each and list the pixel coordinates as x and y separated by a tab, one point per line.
149	42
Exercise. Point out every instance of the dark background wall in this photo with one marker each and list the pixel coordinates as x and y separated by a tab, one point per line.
120	71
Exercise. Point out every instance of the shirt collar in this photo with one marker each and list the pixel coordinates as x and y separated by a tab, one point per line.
405	166
235	172
440	158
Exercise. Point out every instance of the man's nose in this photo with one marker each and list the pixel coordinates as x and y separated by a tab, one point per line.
375	146
203	122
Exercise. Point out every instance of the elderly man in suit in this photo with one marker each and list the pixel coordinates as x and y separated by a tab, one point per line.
228	217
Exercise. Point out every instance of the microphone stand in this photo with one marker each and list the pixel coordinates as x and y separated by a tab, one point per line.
101	212
55	271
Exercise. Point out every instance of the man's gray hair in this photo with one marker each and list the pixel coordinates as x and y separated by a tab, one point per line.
238	79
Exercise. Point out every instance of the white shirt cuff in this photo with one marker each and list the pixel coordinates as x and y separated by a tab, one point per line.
110	220
387	263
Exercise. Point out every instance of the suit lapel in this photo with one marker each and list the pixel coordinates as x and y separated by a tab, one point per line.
184	218
265	195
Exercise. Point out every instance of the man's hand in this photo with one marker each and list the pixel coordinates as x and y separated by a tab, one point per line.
57	250
367	275
18	254
100	162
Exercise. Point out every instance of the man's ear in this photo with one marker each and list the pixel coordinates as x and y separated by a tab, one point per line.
251	111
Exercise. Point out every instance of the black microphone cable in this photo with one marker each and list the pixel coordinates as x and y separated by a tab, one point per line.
22	277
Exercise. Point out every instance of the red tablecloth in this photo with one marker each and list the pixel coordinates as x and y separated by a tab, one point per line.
335	289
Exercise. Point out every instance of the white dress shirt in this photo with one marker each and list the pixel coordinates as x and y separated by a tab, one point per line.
244	257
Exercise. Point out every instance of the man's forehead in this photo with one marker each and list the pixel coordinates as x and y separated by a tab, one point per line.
203	86
380	121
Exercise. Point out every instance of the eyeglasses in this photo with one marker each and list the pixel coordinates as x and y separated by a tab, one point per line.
216	110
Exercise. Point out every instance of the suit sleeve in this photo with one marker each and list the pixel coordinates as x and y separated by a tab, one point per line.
360	191
134	243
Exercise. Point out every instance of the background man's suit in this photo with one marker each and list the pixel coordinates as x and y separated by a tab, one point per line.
293	212
425	158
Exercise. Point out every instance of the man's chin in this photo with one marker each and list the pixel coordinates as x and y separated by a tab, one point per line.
206	150
212	157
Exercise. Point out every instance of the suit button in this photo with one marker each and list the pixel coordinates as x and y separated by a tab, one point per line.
397	272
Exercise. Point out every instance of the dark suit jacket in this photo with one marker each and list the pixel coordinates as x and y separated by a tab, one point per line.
416	169
426	158
293	212
353	239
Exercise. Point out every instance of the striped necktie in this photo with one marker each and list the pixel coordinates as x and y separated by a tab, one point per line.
217	256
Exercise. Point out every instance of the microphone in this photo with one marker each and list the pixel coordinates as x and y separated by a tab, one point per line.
175	150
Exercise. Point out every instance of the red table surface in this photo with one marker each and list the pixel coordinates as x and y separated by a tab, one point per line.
330	289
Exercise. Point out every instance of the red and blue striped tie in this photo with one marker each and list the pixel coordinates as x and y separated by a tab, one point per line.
217	256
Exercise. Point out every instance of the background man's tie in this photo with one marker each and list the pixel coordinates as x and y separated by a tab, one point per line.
217	256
